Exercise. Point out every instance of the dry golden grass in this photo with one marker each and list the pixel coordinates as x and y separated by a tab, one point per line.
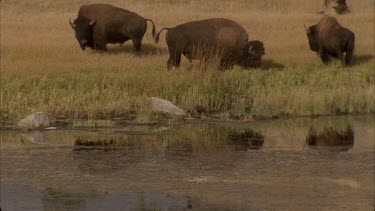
43	68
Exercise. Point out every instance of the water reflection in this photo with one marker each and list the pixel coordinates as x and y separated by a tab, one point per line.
199	166
331	138
247	139
34	136
205	139
196	139
23	197
58	200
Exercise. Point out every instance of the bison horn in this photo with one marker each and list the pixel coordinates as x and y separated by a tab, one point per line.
72	24
251	49
92	22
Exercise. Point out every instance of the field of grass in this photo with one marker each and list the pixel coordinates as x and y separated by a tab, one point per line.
43	68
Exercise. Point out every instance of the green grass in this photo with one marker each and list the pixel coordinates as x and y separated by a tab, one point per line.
101	93
43	69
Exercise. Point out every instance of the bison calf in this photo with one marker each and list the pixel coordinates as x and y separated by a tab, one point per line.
211	37
329	38
99	24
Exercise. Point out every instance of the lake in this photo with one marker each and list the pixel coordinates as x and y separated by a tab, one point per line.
325	163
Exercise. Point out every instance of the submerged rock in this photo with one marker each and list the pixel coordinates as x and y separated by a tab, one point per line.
35	136
36	120
165	106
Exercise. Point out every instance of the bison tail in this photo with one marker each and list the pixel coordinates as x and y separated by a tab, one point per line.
153	28
158	34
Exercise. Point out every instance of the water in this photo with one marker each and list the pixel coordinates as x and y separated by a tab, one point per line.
303	164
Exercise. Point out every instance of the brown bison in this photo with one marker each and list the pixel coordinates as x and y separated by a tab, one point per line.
256	51
340	6
206	38
329	38
99	24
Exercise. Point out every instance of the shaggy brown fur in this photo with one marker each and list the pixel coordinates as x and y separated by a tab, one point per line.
204	38
99	24
329	38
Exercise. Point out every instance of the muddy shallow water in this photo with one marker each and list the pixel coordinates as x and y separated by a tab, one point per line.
301	164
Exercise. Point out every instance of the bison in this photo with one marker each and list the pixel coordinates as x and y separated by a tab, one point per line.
211	37
256	51
329	38
340	6
99	24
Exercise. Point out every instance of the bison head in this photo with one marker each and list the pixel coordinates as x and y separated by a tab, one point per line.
312	37
83	30
254	52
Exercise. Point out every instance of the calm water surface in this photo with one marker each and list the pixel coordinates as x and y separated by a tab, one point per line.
303	164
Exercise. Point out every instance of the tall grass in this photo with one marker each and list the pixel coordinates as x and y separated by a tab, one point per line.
42	67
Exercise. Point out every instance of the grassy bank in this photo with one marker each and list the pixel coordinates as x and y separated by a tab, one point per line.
43	69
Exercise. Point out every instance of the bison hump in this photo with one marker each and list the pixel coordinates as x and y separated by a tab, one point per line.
231	37
231	42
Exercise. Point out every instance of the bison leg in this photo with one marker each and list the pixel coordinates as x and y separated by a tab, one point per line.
170	63
99	40
174	56
348	56
174	61
340	56
100	47
189	56
324	57
137	44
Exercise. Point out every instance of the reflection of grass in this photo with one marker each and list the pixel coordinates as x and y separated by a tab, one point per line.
46	70
248	138
92	123
190	139
337	122
200	138
57	200
330	136
191	134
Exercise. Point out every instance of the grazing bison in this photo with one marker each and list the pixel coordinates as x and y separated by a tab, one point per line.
340	6
99	24
329	38
206	38
256	51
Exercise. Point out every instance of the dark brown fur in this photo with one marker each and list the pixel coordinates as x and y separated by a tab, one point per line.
329	38
111	25
205	38
256	51
340	8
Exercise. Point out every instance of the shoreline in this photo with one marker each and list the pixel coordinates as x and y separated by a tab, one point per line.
69	123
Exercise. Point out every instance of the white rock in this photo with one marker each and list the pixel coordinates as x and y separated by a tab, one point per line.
165	106
36	120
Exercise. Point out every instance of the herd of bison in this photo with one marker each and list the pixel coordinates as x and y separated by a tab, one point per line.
99	24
